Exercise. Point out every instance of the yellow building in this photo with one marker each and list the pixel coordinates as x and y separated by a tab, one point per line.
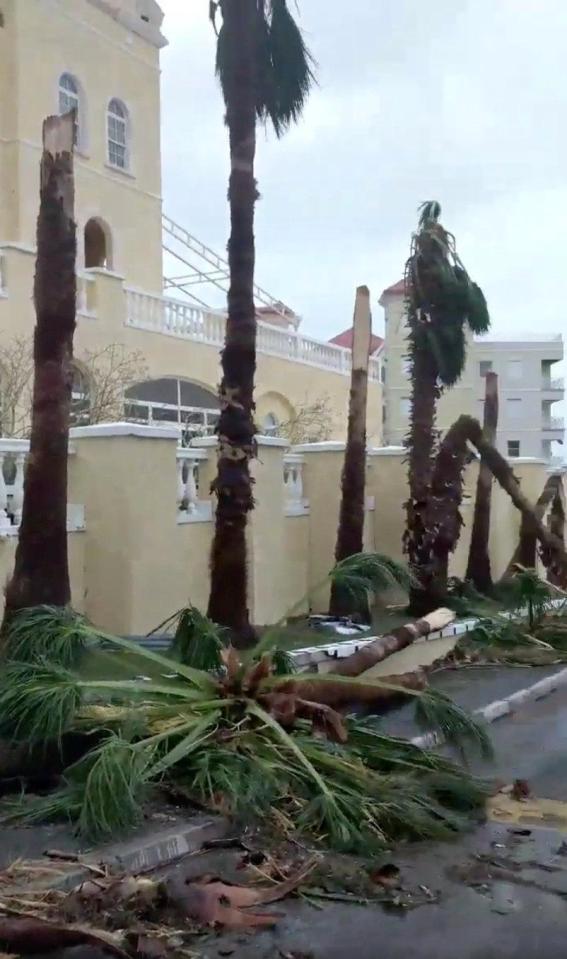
102	58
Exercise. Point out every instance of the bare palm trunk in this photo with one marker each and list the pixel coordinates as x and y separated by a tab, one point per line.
557	528
553	552
525	553
233	486
351	521
478	567
422	439
343	694
368	656
41	573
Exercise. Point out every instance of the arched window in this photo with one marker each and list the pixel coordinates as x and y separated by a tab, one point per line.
170	401
80	399
270	425
117	131
70	99
98	244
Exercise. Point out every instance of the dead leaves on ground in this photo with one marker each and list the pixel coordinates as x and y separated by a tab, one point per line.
40	920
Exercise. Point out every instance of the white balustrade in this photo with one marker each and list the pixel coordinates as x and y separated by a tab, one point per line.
85	294
13	454
190	507
163	314
295	503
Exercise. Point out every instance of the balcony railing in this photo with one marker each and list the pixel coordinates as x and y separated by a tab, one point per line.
554	423
174	318
556	385
13	455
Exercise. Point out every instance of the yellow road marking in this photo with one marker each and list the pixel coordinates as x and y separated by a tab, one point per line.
531	812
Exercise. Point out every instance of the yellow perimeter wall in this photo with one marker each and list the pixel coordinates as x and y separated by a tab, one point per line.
135	564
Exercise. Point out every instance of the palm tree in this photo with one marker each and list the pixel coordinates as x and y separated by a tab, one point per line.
41	572
478	566
353	481
442	512
265	71
441	302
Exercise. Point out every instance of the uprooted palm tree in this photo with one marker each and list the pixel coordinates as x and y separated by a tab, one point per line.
442	514
265	72
41	572
442	302
237	737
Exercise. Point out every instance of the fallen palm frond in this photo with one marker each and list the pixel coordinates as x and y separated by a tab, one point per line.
241	739
57	632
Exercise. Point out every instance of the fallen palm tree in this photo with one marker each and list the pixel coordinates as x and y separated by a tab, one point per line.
237	737
443	518
526	550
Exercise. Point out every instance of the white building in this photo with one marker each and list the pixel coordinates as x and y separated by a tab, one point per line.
529	423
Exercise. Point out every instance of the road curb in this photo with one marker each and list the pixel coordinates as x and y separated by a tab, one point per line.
500	708
145	853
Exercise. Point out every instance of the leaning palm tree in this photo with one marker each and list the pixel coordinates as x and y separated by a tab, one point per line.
442	301
265	71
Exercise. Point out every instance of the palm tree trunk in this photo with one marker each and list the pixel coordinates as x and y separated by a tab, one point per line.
233	484
553	552
342	694
41	573
478	567
351	519
422	439
557	528
384	646
525	552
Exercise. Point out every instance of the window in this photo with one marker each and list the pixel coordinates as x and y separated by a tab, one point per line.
485	366
514	409
118	135
515	370
80	399
192	407
270	425
513	447
98	244
405	406
69	99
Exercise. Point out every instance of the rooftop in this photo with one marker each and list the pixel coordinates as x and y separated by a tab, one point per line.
345	339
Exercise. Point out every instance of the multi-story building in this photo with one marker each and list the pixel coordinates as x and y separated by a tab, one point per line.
102	58
527	425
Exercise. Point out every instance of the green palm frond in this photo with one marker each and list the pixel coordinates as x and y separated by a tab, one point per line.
54	632
198	642
38	701
283	663
435	711
363	573
284	66
429	213
112	779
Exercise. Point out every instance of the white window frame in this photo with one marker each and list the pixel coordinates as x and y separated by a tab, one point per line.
72	99
518	367
119	117
482	363
513	455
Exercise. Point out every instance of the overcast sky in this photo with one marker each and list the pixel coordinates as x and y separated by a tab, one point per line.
464	101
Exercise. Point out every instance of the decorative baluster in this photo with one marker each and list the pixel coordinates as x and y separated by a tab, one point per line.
181	486
18	489
4	518
192	483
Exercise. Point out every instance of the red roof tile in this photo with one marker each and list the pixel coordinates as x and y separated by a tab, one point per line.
345	339
399	287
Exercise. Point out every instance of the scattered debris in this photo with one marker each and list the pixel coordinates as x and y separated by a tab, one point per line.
30	935
388	876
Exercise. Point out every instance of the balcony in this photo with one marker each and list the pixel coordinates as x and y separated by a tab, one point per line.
553	427
553	389
170	317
